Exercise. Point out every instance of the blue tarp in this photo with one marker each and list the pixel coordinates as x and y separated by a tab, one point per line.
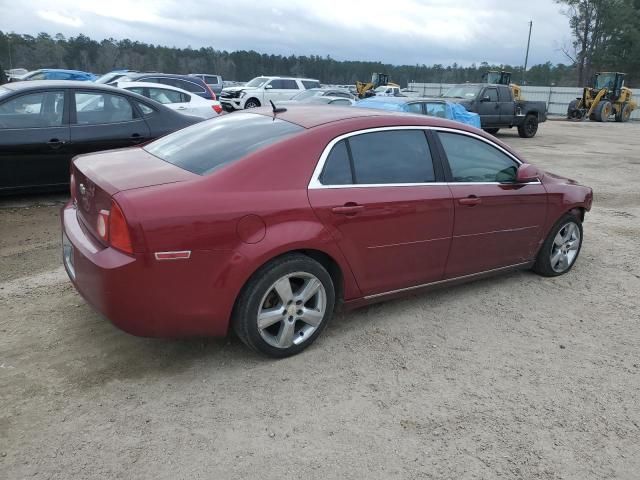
461	114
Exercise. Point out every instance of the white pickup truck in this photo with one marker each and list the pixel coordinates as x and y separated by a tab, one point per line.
260	90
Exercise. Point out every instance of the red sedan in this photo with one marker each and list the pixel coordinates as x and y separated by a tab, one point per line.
265	222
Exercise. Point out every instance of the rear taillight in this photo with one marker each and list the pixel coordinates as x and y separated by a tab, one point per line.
217	108
213	94
119	230
72	186
113	229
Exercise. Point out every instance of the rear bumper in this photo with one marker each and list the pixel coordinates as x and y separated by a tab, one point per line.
147	297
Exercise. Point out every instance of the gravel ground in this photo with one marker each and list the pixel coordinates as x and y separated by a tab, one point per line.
512	377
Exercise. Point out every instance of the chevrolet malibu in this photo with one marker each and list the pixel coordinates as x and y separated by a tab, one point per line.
264	222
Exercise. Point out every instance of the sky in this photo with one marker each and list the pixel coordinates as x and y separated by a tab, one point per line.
391	31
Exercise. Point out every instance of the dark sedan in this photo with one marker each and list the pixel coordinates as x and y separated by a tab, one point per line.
43	124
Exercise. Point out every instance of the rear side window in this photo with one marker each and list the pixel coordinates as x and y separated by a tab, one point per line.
34	110
211	80
392	157
93	108
310	84
188	86
207	146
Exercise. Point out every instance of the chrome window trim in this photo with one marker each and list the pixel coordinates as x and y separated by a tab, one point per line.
315	184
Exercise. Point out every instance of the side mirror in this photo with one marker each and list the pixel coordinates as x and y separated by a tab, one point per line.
485	99
527	173
269	86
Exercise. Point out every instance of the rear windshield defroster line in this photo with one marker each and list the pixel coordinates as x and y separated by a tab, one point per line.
206	146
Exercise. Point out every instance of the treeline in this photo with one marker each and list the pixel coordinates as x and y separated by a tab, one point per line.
84	53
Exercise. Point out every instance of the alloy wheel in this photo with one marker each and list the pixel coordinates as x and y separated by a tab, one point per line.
291	310
565	247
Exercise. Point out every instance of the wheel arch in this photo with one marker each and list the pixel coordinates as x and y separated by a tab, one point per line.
257	100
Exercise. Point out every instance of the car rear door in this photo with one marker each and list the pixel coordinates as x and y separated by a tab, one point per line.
34	140
489	107
104	120
378	193
498	222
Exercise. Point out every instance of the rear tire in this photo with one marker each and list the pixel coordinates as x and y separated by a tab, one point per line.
491	131
529	126
573	112
285	306
624	114
561	248
603	111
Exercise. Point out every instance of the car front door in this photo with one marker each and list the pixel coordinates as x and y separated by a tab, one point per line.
507	106
498	222
489	107
378	195
34	140
101	121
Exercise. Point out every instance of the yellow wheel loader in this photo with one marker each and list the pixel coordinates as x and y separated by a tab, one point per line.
503	78
606	96
377	79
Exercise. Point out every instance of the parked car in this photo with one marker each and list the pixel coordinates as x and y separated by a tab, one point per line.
434	107
185	82
498	109
197	232
319	100
387	91
59	74
43	124
213	81
113	76
322	92
260	90
175	98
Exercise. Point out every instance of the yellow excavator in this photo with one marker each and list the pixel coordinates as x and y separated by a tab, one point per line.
503	78
377	79
606	96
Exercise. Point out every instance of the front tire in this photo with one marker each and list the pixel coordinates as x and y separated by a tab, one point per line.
561	248
529	126
285	306
252	103
603	111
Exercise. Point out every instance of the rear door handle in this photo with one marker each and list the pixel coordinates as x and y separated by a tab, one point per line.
470	201
348	209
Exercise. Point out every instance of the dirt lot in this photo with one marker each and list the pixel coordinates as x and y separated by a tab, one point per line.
512	377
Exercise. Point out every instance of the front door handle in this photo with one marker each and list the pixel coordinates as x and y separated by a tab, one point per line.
348	209
55	143
136	137
470	201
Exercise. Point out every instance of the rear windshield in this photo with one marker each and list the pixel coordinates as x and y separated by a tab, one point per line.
4	91
206	146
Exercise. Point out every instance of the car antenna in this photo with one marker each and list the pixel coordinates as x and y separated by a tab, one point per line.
276	109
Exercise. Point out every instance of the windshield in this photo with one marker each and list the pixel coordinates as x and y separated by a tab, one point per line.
207	146
307	94
463	91
109	77
606	80
257	82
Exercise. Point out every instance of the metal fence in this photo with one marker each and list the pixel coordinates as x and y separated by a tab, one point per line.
556	98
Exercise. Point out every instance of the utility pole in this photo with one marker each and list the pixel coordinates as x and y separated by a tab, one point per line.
526	58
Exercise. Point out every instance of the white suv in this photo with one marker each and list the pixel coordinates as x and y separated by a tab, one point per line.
260	90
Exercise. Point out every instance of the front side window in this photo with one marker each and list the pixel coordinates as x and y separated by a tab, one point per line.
204	147
257	82
414	108
94	108
472	160
492	93
389	157
34	110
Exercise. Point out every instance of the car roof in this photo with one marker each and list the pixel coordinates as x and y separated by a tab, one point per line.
39	84
63	70
157	74
153	85
288	78
311	116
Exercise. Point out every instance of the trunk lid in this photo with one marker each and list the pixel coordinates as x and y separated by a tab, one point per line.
99	176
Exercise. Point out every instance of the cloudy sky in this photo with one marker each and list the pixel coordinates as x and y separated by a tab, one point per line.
392	31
